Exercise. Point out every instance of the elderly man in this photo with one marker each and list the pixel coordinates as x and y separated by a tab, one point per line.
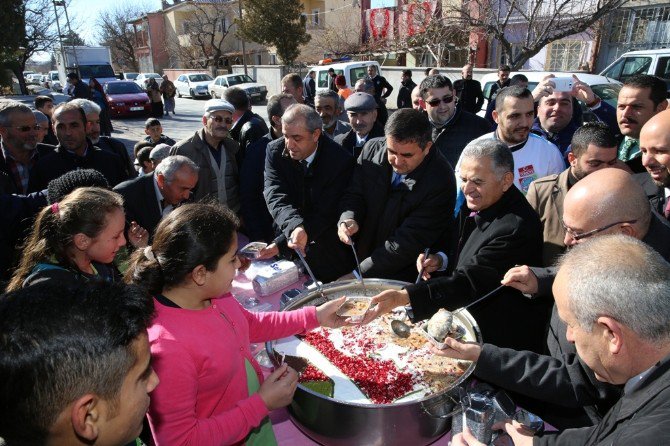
75	151
149	198
42	123
107	143
90	379
248	127
306	174
158	154
18	152
612	294
365	85
452	127
469	91
497	229
593	148
641	97
292	84
555	119
655	148
400	198
255	214
213	150
327	105
534	156
362	112
416	98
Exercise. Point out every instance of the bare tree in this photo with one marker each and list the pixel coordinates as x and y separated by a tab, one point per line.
524	27
340	38
201	42
115	31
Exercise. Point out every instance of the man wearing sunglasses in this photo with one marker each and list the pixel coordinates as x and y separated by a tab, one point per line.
213	150
18	155
452	127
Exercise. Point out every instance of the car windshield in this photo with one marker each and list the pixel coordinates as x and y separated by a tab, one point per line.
96	71
200	77
54	76
154	75
131	76
240	79
122	88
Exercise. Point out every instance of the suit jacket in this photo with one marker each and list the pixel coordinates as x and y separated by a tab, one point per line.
113	145
61	161
248	129
348	140
452	138
656	194
254	211
397	224
505	234
140	202
546	196
638	418
470	96
404	99
311	200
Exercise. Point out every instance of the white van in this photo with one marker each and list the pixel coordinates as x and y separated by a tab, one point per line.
352	71
655	62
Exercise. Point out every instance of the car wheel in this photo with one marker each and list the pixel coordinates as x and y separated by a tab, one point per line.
178	93
192	93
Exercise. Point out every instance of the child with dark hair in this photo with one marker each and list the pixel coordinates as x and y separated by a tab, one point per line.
213	391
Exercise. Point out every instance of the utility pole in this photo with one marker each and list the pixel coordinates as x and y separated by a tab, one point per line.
60	36
244	49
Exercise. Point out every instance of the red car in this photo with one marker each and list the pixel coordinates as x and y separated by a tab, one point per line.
126	98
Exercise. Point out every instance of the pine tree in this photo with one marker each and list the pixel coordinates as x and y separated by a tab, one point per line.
275	23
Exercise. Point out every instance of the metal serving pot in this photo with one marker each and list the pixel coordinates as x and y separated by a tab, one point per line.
335	422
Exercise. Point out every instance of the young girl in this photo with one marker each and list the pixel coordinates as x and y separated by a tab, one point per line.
74	239
212	390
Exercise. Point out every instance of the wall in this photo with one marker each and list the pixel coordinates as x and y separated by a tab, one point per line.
268	75
174	73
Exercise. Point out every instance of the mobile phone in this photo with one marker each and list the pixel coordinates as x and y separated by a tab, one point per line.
562	83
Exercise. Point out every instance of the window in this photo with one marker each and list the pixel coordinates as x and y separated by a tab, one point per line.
315	17
186	27
259	59
663	67
629	66
565	55
221	25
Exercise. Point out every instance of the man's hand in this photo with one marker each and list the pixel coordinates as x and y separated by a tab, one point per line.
544	88
521	278
298	239
582	91
346	229
326	316
268	252
385	302
468	351
429	265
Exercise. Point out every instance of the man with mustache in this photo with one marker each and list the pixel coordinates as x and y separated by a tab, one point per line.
327	105
362	112
534	156
641	97
655	148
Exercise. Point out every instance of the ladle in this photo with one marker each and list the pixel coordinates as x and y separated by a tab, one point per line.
311	274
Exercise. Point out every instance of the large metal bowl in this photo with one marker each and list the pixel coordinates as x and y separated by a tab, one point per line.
334	422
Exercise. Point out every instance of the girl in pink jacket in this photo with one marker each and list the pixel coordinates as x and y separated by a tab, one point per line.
212	390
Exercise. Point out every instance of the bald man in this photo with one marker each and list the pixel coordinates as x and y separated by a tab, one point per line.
560	387
416	98
655	148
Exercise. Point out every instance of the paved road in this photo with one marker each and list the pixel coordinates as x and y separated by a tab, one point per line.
182	125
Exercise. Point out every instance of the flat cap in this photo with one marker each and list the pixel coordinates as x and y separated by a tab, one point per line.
218	104
160	152
360	102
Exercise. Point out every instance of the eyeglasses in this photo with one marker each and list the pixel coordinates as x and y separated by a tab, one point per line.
580	236
220	119
27	128
435	102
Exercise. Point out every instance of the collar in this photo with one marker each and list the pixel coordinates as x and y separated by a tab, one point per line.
9	156
360	141
646	388
633	383
89	147
310	158
486	216
451	120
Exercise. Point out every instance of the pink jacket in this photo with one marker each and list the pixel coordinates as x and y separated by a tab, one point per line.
202	398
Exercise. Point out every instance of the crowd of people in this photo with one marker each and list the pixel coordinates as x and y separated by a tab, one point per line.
118	267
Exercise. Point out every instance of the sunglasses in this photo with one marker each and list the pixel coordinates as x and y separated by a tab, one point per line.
220	119
27	128
435	102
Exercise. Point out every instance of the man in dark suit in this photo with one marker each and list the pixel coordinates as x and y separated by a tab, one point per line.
400	200
655	148
75	151
248	127
469	91
148	198
306	174
362	112
497	229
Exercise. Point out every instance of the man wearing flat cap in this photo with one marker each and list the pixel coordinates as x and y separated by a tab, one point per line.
361	109
213	150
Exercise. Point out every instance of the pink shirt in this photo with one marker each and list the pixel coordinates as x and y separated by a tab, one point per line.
203	398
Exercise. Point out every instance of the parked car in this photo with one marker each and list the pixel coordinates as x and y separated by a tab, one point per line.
193	84
255	90
607	89
142	79
352	71
34	78
654	62
129	76
126	98
54	81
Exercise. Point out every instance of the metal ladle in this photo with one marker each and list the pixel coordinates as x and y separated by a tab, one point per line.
311	274
402	330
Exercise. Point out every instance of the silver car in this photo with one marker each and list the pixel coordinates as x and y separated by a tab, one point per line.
257	92
143	79
195	85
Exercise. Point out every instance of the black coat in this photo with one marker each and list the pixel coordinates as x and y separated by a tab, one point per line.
457	133
248	129
113	145
655	194
639	418
470	96
140	202
348	140
254	211
397	224
405	94
61	161
505	234
311	200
